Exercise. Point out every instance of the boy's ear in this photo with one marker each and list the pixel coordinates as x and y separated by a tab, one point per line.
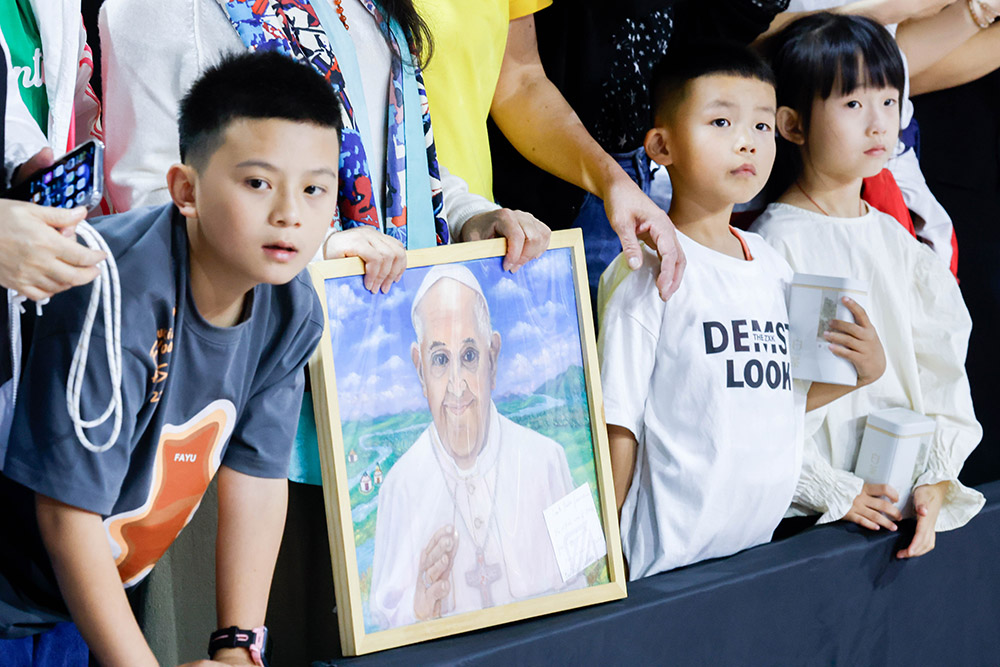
657	146
181	182
789	124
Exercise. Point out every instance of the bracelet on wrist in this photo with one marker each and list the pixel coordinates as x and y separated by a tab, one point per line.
982	14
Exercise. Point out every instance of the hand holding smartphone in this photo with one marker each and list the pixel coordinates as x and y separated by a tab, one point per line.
76	179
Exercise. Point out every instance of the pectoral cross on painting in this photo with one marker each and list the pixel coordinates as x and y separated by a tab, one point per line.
481	576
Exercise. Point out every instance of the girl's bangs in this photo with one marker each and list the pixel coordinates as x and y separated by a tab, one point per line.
852	61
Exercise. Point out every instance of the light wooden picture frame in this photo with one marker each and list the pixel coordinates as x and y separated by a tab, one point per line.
466	471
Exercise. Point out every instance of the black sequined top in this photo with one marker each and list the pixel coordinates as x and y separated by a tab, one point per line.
614	51
600	54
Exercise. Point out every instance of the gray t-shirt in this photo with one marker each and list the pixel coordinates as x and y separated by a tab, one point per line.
195	396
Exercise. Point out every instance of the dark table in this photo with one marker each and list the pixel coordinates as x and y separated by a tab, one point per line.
834	594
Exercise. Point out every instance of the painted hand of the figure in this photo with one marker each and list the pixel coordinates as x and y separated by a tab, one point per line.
433	575
635	217
927	501
527	236
384	256
870	507
859	343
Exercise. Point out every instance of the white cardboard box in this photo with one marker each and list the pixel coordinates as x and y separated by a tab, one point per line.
814	301
894	451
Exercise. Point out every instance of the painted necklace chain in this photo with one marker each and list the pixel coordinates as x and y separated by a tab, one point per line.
483	574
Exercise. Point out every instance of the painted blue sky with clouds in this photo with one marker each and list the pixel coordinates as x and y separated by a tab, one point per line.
534	310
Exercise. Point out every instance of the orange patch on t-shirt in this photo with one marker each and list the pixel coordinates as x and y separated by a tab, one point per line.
186	462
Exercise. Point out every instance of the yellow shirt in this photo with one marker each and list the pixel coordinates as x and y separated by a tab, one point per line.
469	41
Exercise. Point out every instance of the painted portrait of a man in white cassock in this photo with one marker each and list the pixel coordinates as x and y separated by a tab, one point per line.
460	523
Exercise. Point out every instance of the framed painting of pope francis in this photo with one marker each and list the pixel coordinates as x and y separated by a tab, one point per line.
463	447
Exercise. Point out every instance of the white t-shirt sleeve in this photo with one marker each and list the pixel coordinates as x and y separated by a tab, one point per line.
627	344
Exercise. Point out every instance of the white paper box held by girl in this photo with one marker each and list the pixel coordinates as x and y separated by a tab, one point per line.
894	451
814	302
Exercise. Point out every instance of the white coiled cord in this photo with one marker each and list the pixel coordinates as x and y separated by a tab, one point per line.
108	287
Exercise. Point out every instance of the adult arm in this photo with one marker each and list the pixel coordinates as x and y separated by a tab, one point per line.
927	40
251	521
472	217
90	585
886	12
974	59
537	120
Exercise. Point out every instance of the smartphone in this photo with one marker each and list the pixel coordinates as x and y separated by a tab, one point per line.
77	179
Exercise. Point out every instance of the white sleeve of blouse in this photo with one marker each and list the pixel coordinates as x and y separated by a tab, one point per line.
460	204
941	327
821	487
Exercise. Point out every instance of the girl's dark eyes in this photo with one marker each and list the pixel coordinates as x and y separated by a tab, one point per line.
890	102
853	104
720	122
257	183
763	127
314	190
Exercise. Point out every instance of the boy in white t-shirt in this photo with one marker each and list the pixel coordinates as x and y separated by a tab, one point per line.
704	421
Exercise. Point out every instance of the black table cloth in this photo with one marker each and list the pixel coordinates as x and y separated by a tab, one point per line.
833	594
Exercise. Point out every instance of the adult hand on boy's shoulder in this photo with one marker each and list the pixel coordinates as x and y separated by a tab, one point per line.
527	236
635	217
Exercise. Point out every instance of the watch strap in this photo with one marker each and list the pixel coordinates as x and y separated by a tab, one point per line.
254	640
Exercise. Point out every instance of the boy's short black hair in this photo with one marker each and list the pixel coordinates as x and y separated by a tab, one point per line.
819	51
254	85
685	63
